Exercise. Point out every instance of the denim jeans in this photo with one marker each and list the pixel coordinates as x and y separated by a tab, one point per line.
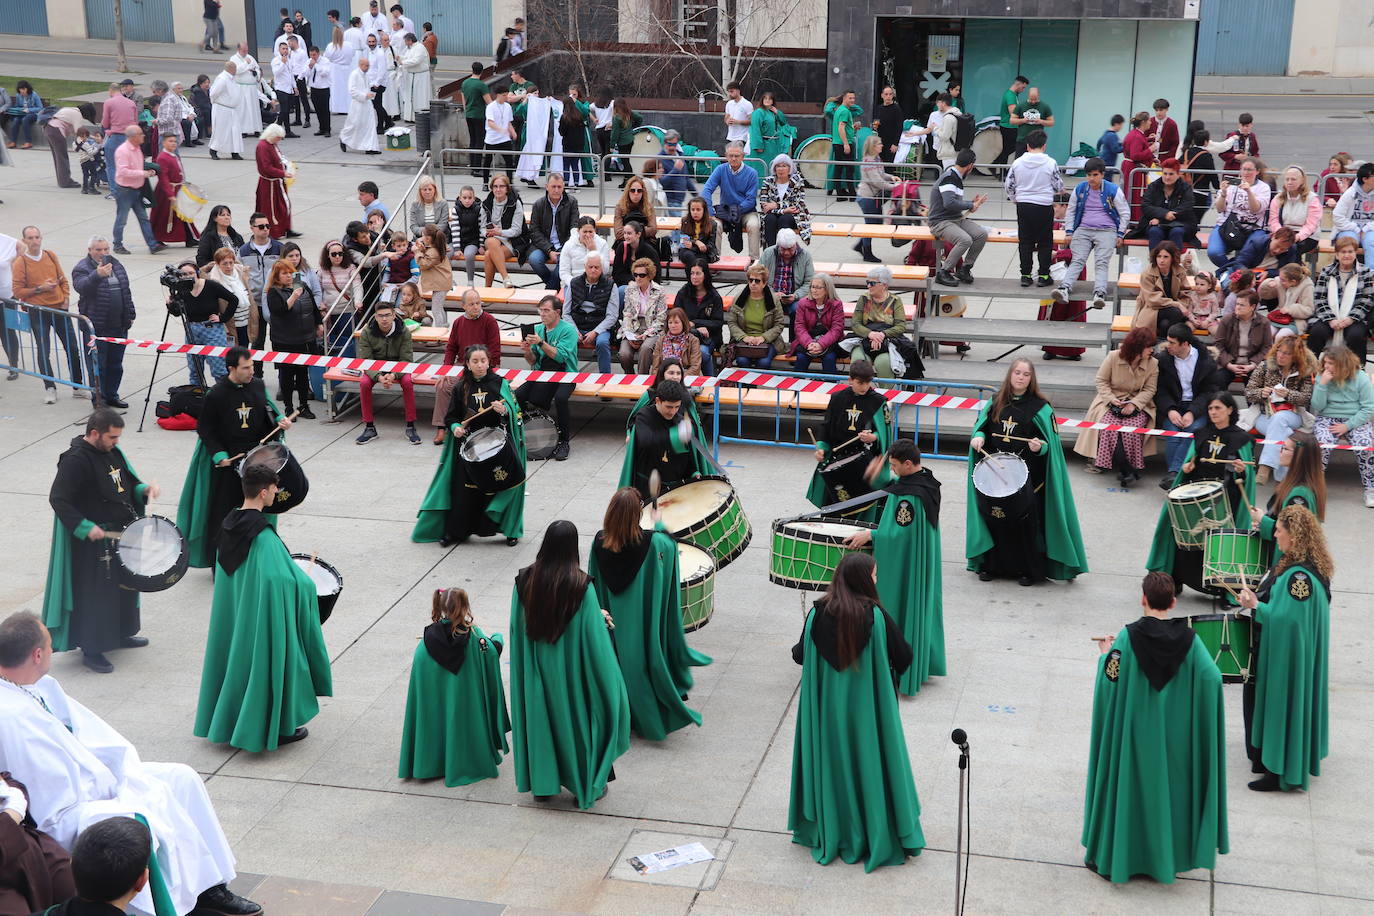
112	141
1278	426
111	359
41	322
762	362
603	352
209	334
539	263
1157	234
21	127
1365	236
1216	246
1176	447
871	209
127	199
828	358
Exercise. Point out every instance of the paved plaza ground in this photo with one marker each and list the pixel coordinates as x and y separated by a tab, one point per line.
325	827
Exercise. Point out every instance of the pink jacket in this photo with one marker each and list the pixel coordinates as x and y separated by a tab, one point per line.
1310	224
809	314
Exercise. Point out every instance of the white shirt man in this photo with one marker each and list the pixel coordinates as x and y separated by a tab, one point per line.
499	119
284	73
738	111
360	129
415	83
288	29
374	21
246	74
377	60
225	99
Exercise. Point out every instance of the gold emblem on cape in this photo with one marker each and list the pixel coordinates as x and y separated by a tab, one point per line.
115	477
904	514
841	494
1009	425
1214	446
1113	668
283	495
480	397
499	474
854	413
1299	586
243	410
997	512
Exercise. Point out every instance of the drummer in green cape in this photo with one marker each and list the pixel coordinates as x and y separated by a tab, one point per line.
454	509
853	795
236	415
769	134
1285	702
1155	802
669	369
635	574
859	419
661	440
1044	544
1304	484
906	546
570	715
95	491
1219	451
265	659
456	720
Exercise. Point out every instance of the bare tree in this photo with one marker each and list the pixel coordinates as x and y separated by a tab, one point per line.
121	61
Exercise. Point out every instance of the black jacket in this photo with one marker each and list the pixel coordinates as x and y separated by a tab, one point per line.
708	313
1157	202
465	225
540	227
293	326
621	261
1169	396
210	243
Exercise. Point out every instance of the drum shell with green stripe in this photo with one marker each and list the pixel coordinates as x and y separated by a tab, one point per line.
1229	641
1234	558
707	513
806	551
697	586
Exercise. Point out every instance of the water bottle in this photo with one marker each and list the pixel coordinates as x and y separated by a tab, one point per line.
701	102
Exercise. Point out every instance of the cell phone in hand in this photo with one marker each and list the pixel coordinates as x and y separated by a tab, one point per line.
526	330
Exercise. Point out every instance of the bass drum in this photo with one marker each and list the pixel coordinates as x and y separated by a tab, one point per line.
541	434
987	142
648	141
697	585
811	155
292	484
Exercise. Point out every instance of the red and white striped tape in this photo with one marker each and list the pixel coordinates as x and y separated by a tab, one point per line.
739	376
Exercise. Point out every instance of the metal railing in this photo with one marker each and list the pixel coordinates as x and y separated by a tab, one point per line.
31	336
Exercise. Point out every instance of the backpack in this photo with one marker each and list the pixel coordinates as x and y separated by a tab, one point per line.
182	399
964	129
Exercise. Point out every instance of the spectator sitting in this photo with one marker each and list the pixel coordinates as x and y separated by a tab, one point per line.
1281	386
504	219
1187	375
756	322
1353	217
879	318
1160	302
1334	181
109	867
782	198
1287	299
643	309
1203	302
818	325
428	208
465	229
1262	254
410	305
948	218
1097	220
790	269
386	338
1126	384
697	235
35	871
1297	207
436	273
739	190
551	227
705	312
23	114
634	206
573	258
1245	206
591	302
1167	209
651	174
1343	400
1341	297
676	179
677	342
1242	339
631	247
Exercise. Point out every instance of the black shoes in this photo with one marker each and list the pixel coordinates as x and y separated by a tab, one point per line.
1166	483
367	435
306	413
1026	280
511	542
342	148
1027	580
120	249
133	642
1269	782
292	234
561	451
97	662
220	900
214	155
984	576
964	274
117	403
374	152
235	156
945	278
1044	280
299	734
158	248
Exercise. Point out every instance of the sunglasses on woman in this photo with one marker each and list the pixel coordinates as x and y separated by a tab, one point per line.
640	275
756	279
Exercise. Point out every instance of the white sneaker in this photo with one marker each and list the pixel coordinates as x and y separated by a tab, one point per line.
81	394
1099	300
1060	295
49	396
1369	499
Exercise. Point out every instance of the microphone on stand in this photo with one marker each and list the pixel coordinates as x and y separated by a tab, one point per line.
960	739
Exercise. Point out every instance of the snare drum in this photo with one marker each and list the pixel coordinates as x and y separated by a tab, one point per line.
696	573
1197	508
705	512
328	581
806	551
541	434
1230	641
493	464
152	555
1234	559
845	476
1002	487
292	484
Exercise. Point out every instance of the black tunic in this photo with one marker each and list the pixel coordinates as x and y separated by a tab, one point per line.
1210	442
846	416
99	487
1018	544
467	514
654	451
232	421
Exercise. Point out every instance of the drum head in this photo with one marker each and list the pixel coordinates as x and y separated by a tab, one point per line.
541	434
810	150
1000	474
684	506
693	563
481	444
1198	489
326	578
648	141
821	529
150	546
273	455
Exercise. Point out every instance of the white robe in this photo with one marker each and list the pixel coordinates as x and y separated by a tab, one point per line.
391	103
89	773
341	65
357	40
375	25
415	81
541	135
246	77
225	136
360	129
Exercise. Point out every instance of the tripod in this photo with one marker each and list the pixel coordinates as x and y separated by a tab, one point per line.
157	358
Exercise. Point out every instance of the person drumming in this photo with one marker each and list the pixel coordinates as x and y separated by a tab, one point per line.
661	440
1045	542
1304	485
570	715
95	491
853	795
236	415
1223	451
906	545
455	508
1285	702
635	574
668	370
1155	802
456	721
265	658
858	422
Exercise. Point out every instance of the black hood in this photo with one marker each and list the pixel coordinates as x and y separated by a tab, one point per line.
924	487
240	527
618	569
1160	646
447	649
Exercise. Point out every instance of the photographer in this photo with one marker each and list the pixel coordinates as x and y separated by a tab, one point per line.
203	305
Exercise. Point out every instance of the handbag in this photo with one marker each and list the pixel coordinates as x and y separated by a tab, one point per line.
1247	418
748	351
1234	233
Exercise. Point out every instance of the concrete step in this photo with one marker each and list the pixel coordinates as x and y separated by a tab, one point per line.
1067	385
1016	330
1011	288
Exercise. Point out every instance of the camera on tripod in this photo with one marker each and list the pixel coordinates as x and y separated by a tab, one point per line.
177	287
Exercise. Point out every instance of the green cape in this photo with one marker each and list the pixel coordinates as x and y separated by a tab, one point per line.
1163	548
909	585
570	716
1155	802
649	642
1301	495
769	135
815	491
456	724
1064	554
193	511
699	466
1290	721
645	400
58	596
265	658
853	794
506	509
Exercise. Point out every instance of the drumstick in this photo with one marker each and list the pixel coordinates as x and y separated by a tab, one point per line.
1009	436
810	432
263	440
655	488
992	464
1225	460
846	442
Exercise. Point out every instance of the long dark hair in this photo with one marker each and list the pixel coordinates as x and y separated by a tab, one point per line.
705	228
468	381
572	115
1223	398
553	584
1304	470
850	600
620	526
210	229
1005	394
670	361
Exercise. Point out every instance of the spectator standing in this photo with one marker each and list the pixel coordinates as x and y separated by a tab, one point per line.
1098	217
213	39
890	119
38	279
499	135
1162	132
116	116
1011	97
602	108
1109	145
1297	207
1199	167
1353	216
219	232
130	175
738	114
769	134
259	254
948	219
1031	184
1031	114
1343	400
207	308
1167	207
1137	153
297	325
1341	296
1242	211
104	296
843	145
624	120
1244	143
945	129
436	271
202	107
736	210
551	226
476	97
225	270
59	132
875	186
370	196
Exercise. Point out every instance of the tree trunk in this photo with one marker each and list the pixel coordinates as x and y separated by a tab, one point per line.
724	19
121	61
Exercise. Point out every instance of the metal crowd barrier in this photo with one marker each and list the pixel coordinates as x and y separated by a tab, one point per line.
51	344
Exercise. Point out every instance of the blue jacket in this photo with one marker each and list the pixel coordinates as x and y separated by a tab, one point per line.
1112	199
106	301
739	188
676	183
1109	147
1254	250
